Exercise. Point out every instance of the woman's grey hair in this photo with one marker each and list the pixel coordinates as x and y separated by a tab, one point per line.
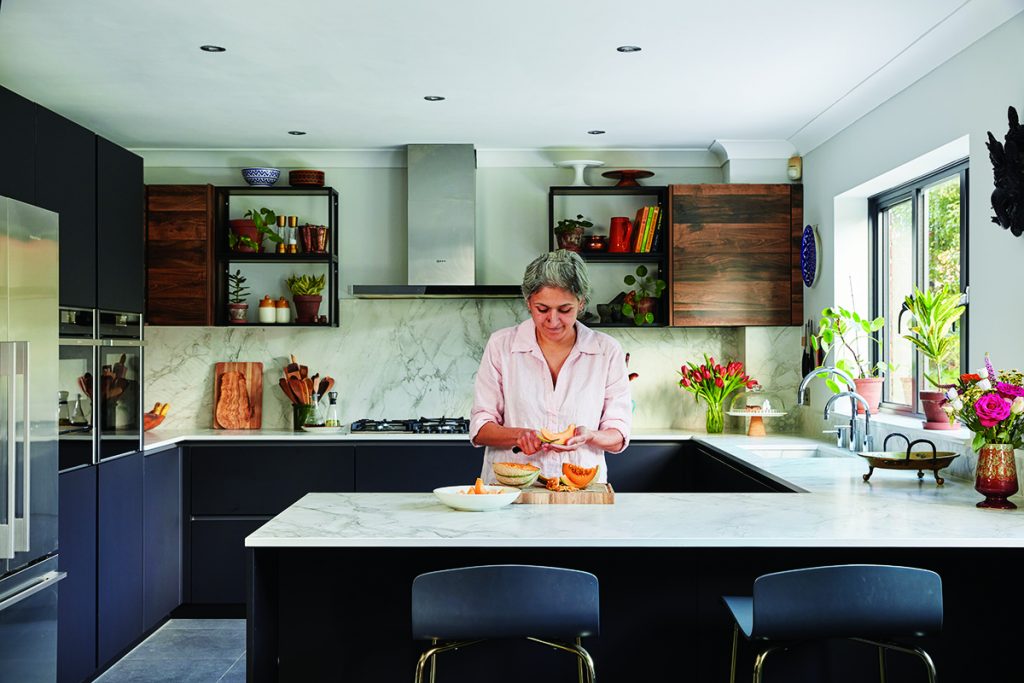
563	269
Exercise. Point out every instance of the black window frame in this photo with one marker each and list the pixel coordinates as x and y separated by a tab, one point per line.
915	190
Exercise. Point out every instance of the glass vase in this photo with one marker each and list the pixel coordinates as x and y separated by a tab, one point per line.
715	417
302	414
996	476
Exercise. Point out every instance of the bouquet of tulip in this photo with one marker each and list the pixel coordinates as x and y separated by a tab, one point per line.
713	382
990	404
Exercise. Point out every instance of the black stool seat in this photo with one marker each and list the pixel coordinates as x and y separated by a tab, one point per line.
870	603
470	604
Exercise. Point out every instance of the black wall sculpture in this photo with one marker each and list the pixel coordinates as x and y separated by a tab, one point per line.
1008	171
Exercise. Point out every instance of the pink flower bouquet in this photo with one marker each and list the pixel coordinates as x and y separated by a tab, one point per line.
990	404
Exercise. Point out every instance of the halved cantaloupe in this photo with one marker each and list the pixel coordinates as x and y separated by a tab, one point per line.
578	476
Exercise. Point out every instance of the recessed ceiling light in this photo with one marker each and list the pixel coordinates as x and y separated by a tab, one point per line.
212	48
296	132
595	132
433	98
628	48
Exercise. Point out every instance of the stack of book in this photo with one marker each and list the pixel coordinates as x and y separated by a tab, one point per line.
647	230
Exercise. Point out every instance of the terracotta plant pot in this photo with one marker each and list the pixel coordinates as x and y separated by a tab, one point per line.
934	416
238	313
307	307
243	227
871	389
645	306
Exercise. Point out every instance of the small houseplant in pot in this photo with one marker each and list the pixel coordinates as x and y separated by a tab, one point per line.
247	234
642	299
306	294
934	313
848	333
238	309
569	232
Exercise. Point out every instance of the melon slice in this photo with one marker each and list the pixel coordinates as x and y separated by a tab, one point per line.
575	475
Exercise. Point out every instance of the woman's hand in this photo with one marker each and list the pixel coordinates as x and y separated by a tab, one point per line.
529	441
582	436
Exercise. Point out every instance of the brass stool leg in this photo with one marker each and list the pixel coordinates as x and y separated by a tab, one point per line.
577	650
735	645
433	663
429	656
916	651
759	662
881	664
579	662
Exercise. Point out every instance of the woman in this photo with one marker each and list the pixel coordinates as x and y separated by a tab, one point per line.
549	372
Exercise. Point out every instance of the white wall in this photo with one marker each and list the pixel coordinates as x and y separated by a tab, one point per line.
966	96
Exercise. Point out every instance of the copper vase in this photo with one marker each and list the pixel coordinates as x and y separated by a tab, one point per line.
997	476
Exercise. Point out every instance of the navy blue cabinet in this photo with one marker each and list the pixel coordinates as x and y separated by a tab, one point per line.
119	559
120	218
65	155
647	467
76	603
415	466
17	142
162	535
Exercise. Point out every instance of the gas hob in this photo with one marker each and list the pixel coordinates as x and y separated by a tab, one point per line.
423	425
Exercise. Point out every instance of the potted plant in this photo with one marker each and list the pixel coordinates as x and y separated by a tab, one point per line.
641	300
934	313
247	234
847	332
238	309
306	294
569	232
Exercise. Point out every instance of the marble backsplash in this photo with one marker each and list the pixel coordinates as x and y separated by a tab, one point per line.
418	357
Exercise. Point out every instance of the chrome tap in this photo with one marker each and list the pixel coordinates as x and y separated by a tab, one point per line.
858	441
823	371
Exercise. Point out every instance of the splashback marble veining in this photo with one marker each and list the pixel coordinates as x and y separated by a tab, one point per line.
411	357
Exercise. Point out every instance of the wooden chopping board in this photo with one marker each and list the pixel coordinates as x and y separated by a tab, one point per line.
238	395
595	494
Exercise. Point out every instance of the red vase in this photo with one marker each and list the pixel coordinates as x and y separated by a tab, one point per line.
996	476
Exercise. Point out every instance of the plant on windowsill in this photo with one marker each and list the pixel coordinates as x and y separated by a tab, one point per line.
238	309
934	313
569	232
848	333
247	234
641	300
306	294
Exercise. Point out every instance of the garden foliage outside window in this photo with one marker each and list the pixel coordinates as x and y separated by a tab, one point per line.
919	238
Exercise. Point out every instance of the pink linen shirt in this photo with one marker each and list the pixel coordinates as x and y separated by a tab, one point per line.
514	389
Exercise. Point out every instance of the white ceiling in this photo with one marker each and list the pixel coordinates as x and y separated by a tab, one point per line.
527	74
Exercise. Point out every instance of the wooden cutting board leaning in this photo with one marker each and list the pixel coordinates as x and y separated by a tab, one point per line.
594	494
238	396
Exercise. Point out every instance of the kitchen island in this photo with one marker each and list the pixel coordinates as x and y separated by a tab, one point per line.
330	577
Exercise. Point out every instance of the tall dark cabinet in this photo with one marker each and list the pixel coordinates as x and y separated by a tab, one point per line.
120	229
65	157
76	594
17	142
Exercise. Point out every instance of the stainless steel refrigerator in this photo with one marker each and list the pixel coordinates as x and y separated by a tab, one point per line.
28	443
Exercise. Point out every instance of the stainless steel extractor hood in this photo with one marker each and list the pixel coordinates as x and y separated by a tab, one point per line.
442	228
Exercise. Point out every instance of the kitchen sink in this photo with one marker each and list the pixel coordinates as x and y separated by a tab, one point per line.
800	451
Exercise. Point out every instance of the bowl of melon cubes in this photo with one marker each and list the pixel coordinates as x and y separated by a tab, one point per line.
476	498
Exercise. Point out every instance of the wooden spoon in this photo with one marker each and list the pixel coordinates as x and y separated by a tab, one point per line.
299	389
292	367
286	388
326	384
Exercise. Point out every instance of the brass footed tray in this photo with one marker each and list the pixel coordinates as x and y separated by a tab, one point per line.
907	460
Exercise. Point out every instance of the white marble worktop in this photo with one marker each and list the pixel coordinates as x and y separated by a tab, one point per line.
837	509
158	439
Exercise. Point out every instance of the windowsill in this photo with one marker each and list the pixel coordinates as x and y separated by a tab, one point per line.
912	426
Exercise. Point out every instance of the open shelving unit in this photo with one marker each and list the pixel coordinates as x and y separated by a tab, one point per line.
599	205
266	272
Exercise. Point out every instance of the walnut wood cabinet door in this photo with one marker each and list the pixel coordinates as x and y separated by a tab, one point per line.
179	255
736	255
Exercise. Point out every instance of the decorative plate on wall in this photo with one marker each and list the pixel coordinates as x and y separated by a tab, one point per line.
810	250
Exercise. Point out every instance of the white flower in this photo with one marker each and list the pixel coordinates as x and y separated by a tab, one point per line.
1017	407
948	408
951	394
957	404
984	385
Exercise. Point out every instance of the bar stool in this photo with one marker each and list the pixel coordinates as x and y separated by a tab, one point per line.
455	608
867	603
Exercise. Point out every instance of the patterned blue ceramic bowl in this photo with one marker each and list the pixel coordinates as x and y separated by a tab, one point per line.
261	177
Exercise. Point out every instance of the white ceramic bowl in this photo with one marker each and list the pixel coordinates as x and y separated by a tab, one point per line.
453	497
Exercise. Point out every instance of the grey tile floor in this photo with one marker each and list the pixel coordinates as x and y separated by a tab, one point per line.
185	650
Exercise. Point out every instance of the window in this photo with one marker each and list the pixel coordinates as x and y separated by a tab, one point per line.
919	238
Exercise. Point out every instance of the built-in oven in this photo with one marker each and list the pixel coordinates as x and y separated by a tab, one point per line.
119	383
100	395
76	387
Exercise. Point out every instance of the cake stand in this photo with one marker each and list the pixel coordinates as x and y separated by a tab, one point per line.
757	403
578	165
